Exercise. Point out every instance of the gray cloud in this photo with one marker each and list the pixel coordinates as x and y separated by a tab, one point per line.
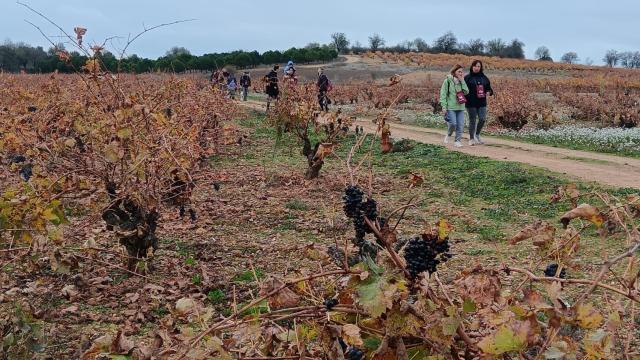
588	27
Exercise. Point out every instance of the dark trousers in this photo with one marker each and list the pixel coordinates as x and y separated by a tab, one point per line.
479	113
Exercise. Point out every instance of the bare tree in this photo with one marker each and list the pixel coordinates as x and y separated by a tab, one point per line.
376	42
340	41
421	45
446	43
543	54
177	51
611	58
570	58
496	47
474	47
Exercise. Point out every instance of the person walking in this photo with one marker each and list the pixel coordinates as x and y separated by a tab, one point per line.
272	89
245	83
232	86
452	99
290	74
324	85
479	87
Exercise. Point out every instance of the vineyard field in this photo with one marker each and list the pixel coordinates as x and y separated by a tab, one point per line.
154	217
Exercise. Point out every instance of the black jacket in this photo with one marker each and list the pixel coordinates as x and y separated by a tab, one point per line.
245	80
323	82
473	80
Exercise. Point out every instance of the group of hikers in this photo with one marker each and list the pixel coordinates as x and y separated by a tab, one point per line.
227	82
458	93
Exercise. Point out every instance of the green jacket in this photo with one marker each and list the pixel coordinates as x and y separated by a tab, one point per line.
448	98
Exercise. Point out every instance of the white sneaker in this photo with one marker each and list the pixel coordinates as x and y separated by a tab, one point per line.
479	141
446	139
458	144
472	142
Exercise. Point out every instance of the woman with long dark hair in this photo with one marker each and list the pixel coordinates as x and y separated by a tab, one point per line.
452	99
479	87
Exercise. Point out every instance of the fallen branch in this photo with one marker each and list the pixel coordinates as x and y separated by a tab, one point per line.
259	299
605	268
14	249
595	284
113	266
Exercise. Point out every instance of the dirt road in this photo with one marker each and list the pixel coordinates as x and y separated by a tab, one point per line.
609	170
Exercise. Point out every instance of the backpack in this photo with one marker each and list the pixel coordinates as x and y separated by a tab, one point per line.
245	81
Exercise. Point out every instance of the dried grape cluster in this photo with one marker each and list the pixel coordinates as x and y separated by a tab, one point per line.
424	253
357	210
330	303
353	353
552	269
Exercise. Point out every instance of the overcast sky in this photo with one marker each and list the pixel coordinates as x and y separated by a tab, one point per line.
588	27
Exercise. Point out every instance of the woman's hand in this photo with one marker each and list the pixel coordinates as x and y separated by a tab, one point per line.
460	76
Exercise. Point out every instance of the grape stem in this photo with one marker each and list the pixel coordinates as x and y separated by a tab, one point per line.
595	283
387	246
460	330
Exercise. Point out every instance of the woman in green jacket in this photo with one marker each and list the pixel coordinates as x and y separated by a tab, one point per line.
452	100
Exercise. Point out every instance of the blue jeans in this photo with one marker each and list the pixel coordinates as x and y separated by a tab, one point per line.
455	121
245	90
481	114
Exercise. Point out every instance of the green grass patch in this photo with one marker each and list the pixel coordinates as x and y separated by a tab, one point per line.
260	308
216	296
296	204
587	160
248	276
160	311
196	279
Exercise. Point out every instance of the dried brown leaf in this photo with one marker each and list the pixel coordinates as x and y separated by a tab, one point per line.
585	212
283	298
541	231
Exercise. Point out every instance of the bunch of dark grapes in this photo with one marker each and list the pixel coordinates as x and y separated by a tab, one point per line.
353	353
369	209
352	198
26	172
425	253
352	208
358	211
552	269
330	303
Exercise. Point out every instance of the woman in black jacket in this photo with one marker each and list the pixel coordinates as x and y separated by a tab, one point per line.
479	87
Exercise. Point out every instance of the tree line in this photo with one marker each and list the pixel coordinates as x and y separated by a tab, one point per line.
627	59
448	43
16	57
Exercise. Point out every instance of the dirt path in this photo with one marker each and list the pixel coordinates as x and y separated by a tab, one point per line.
610	170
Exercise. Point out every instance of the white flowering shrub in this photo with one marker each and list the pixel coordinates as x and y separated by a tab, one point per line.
602	139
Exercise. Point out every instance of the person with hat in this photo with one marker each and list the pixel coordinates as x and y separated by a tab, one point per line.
290	72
